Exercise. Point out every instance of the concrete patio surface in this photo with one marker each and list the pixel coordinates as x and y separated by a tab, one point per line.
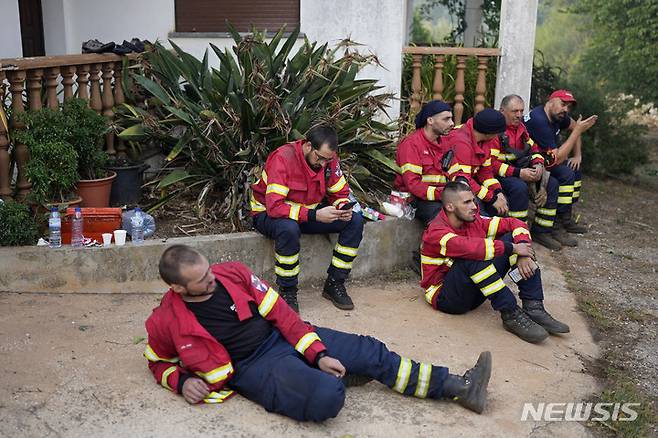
71	369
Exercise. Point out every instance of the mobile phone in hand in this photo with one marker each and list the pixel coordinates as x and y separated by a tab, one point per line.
347	206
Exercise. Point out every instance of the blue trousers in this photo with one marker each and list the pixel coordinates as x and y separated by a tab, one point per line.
569	188
469	283
287	232
516	192
426	211
545	215
279	379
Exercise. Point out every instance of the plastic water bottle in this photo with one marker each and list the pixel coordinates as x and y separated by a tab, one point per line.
55	228
137	227
77	228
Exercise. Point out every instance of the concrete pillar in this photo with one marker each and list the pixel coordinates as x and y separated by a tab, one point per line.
518	21
473	19
11	45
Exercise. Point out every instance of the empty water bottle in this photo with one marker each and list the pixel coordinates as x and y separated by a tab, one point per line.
77	228
55	228
137	227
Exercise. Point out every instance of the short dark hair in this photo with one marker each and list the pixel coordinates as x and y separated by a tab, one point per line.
172	259
452	188
508	99
321	134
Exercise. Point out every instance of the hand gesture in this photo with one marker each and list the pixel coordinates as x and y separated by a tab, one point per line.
329	214
584	125
523	249
501	205
527	267
574	162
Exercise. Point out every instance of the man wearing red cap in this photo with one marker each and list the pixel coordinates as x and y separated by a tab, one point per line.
544	124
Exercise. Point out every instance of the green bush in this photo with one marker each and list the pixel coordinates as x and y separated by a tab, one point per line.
52	170
86	129
219	125
17	226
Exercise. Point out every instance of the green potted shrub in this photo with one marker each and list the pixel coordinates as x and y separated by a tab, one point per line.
53	165
17	225
85	131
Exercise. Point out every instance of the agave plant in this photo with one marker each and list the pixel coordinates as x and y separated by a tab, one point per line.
219	125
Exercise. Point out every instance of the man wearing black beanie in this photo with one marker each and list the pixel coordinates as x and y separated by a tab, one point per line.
471	162
419	157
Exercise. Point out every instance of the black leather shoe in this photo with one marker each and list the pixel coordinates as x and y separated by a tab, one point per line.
289	295
518	322
470	390
334	290
536	312
356	380
95	46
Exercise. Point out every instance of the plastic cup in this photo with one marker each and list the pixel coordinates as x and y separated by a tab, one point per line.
107	239
120	237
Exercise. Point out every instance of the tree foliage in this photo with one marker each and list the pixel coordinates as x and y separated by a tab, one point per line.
623	54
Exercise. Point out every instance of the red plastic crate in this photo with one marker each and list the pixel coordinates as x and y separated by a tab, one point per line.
96	221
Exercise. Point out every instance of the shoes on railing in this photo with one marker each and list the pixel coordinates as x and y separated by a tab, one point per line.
95	46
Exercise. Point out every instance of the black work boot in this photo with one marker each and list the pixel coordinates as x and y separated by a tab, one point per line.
518	322
334	290
289	295
570	225
536	312
415	263
470	390
562	236
547	241
356	380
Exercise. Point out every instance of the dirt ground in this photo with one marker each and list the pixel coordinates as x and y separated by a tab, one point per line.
71	368
612	274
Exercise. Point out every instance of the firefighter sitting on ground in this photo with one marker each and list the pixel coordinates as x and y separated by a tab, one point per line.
544	124
302	190
220	329
519	166
464	257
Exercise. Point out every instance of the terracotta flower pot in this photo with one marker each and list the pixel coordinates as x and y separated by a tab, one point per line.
96	192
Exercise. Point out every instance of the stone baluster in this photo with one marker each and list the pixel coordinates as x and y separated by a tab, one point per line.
34	78
108	104
458	107
52	74
416	85
5	162
67	81
437	86
95	100
83	82
481	86
119	98
20	152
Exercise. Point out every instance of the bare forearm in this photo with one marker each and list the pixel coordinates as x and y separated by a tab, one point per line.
565	149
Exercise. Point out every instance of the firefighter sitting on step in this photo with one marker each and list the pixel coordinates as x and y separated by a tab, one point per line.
517	162
544	124
472	158
419	158
302	190
220	329
464	257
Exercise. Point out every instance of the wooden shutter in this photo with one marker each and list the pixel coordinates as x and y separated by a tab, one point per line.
211	15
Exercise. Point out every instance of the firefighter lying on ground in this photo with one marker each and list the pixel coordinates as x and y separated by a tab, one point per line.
302	190
464	257
220	329
544	124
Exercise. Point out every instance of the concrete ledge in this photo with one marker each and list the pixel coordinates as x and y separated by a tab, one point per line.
386	246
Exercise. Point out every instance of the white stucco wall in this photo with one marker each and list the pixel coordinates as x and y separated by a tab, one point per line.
10	30
378	24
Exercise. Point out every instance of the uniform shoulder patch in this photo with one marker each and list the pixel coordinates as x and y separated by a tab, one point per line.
338	171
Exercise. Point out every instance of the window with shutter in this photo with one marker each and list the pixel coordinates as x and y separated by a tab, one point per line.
212	15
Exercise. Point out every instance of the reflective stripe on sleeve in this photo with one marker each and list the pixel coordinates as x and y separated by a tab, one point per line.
306	341
404	371
444	242
153	357
216	375
165	376
338	186
424	376
267	304
409	167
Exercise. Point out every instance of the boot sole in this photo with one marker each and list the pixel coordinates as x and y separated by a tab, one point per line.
339	305
478	393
